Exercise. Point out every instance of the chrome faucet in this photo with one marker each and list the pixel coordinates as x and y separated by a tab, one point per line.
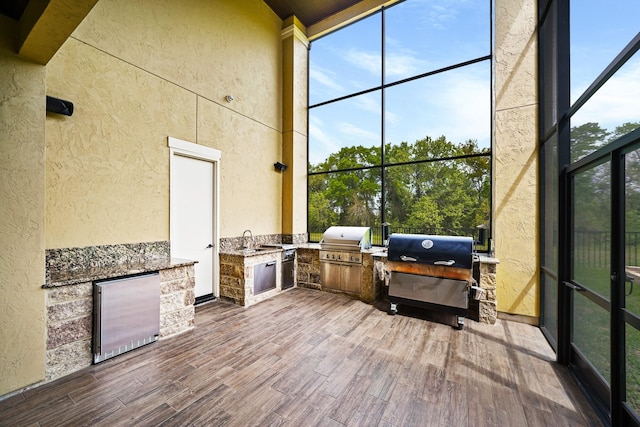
244	239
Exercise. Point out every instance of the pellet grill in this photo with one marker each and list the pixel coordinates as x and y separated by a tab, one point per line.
433	272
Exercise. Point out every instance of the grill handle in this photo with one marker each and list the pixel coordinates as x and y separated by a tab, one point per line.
408	258
447	263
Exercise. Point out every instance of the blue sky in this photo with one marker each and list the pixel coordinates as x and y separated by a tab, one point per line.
421	36
424	35
599	31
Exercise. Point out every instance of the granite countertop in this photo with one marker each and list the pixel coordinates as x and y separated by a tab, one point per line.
308	246
90	274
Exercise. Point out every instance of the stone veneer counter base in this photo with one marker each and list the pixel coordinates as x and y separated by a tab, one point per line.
69	296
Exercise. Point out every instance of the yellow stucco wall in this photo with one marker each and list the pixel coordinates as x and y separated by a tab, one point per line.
515	157
108	164
137	72
140	71
22	151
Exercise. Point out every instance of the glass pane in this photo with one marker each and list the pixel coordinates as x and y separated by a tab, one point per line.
550	201
599	31
632	282
591	333
444	197
591	230
344	198
633	367
455	104
549	235
426	36
346	61
550	306
632	231
346	134
613	111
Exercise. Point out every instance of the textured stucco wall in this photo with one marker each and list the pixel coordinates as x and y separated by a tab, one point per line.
140	71
108	164
516	157
22	151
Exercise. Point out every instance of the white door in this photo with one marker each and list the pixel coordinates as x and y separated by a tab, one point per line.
194	218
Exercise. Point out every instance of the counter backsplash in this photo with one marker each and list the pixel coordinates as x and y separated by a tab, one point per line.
230	244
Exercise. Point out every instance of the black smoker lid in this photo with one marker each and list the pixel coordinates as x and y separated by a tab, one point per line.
447	251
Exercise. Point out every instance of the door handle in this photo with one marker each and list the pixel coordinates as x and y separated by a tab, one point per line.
271	264
574	287
209	246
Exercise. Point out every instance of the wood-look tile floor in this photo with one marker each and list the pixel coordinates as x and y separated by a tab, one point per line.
307	358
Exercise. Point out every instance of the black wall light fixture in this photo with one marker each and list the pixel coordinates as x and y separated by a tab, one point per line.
59	106
280	167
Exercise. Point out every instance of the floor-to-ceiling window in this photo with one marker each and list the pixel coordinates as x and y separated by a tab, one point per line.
400	121
590	196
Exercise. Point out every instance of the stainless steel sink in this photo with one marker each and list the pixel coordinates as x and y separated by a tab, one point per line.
249	251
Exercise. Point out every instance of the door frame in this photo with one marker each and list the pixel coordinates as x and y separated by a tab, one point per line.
608	400
179	147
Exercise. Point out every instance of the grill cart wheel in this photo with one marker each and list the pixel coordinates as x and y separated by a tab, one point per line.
393	308
460	322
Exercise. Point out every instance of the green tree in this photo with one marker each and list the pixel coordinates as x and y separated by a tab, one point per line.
632	179
586	139
431	184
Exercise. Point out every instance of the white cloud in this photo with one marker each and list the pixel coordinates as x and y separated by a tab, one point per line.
322	144
465	110
615	103
361	134
367	103
403	65
325	78
391	118
441	14
456	106
370	62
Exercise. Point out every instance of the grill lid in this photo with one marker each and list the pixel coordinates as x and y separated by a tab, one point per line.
346	237
446	251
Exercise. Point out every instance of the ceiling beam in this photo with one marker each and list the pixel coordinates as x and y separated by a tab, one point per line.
346	16
47	24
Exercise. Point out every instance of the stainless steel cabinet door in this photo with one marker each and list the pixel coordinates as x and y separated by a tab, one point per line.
330	275
350	278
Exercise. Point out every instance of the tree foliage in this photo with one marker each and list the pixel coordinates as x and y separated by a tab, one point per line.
435	185
431	184
592	188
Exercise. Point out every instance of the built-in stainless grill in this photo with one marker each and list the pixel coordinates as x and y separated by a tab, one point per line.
341	257
434	272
